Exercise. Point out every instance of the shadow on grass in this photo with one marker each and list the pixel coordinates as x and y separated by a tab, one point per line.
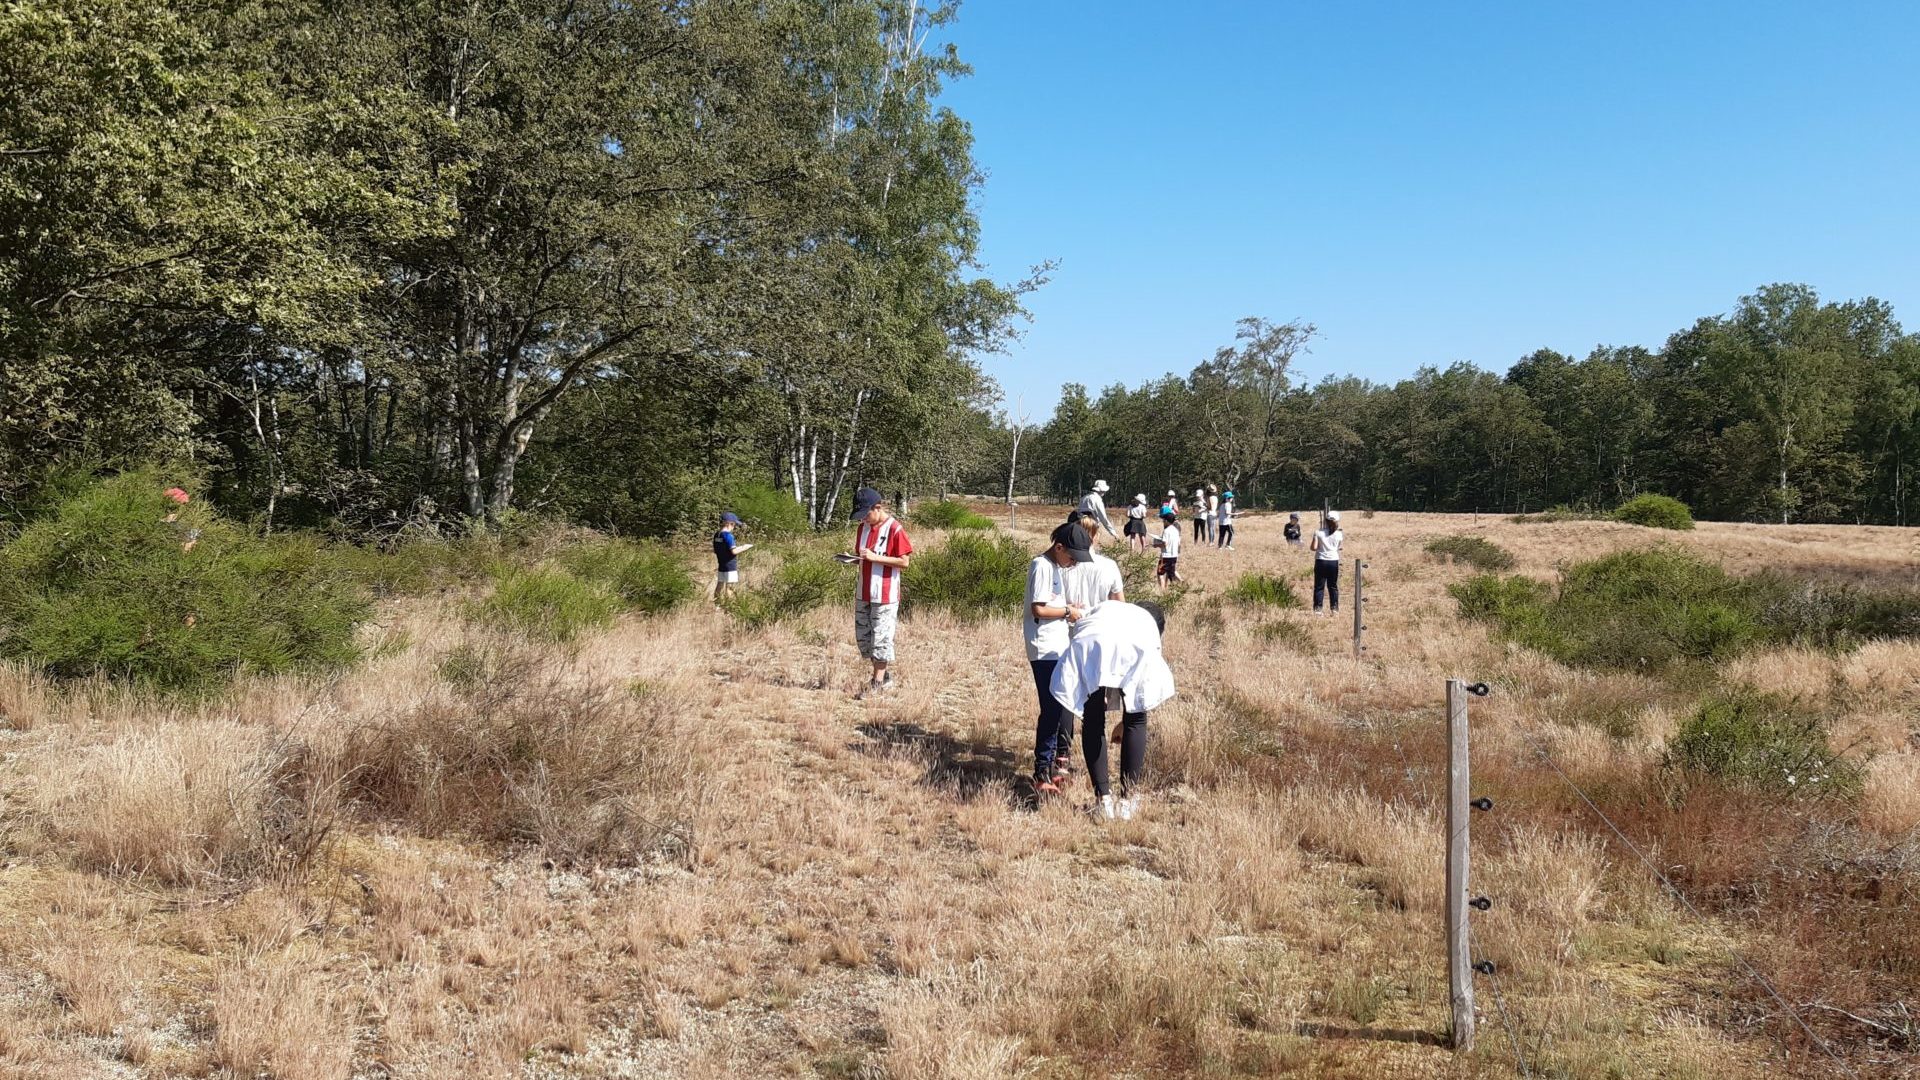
1368	1034
949	764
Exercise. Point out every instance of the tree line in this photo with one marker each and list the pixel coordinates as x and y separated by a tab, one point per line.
1788	408
364	263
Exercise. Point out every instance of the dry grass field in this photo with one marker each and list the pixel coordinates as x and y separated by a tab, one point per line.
377	875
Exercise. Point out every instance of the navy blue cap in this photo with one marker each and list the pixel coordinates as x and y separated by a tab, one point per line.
864	501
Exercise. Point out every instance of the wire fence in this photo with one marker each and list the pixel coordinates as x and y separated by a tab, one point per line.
1739	959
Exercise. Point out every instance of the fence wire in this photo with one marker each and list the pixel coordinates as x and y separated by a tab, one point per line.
1546	758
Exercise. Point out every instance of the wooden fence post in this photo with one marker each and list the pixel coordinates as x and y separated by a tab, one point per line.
1459	963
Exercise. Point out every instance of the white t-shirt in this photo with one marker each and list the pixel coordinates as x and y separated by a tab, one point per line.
1119	647
1213	506
1329	545
1199	506
1137	512
1046	584
1091	584
1226	512
1170	541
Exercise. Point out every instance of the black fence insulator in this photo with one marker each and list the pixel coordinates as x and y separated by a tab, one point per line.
1479	689
1482	804
1479	903
1484	967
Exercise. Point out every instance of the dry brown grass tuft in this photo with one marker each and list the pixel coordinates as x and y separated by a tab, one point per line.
90	979
273	1016
177	801
521	745
1890	805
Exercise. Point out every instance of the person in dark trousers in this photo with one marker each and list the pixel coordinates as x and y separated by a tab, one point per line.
1326	561
1292	530
1226	520
1114	652
1050	613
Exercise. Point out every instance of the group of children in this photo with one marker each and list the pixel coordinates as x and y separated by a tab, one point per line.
1089	650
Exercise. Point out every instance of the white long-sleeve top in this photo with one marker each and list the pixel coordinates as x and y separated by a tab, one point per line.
1114	646
1092	503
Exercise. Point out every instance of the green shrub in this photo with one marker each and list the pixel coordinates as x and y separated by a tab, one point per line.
549	602
1475	551
646	577
1631	609
1655	512
949	515
1136	574
1264	590
103	584
1761	741
770	514
806	580
973	576
1505	600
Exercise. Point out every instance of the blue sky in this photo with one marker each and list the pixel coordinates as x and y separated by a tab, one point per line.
1429	182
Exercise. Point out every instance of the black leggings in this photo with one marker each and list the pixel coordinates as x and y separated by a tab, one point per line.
1326	578
1226	534
1133	745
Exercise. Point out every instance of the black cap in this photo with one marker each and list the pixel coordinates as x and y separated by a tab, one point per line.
1075	540
864	501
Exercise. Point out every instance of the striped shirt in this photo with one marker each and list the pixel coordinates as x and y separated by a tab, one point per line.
881	584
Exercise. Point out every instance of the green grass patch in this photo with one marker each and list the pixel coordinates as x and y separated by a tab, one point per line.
975	577
104	584
1263	590
549	602
945	514
1760	741
1655	512
1475	551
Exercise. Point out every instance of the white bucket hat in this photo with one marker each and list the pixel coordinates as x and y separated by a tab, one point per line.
1333	515
1100	486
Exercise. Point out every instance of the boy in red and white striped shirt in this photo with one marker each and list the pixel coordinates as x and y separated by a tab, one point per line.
883	549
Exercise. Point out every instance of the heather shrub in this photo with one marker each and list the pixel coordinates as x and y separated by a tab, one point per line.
973	576
1761	741
945	514
1475	551
1655	512
106	584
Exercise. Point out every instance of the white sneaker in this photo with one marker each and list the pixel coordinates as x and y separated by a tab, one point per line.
1128	807
1103	808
